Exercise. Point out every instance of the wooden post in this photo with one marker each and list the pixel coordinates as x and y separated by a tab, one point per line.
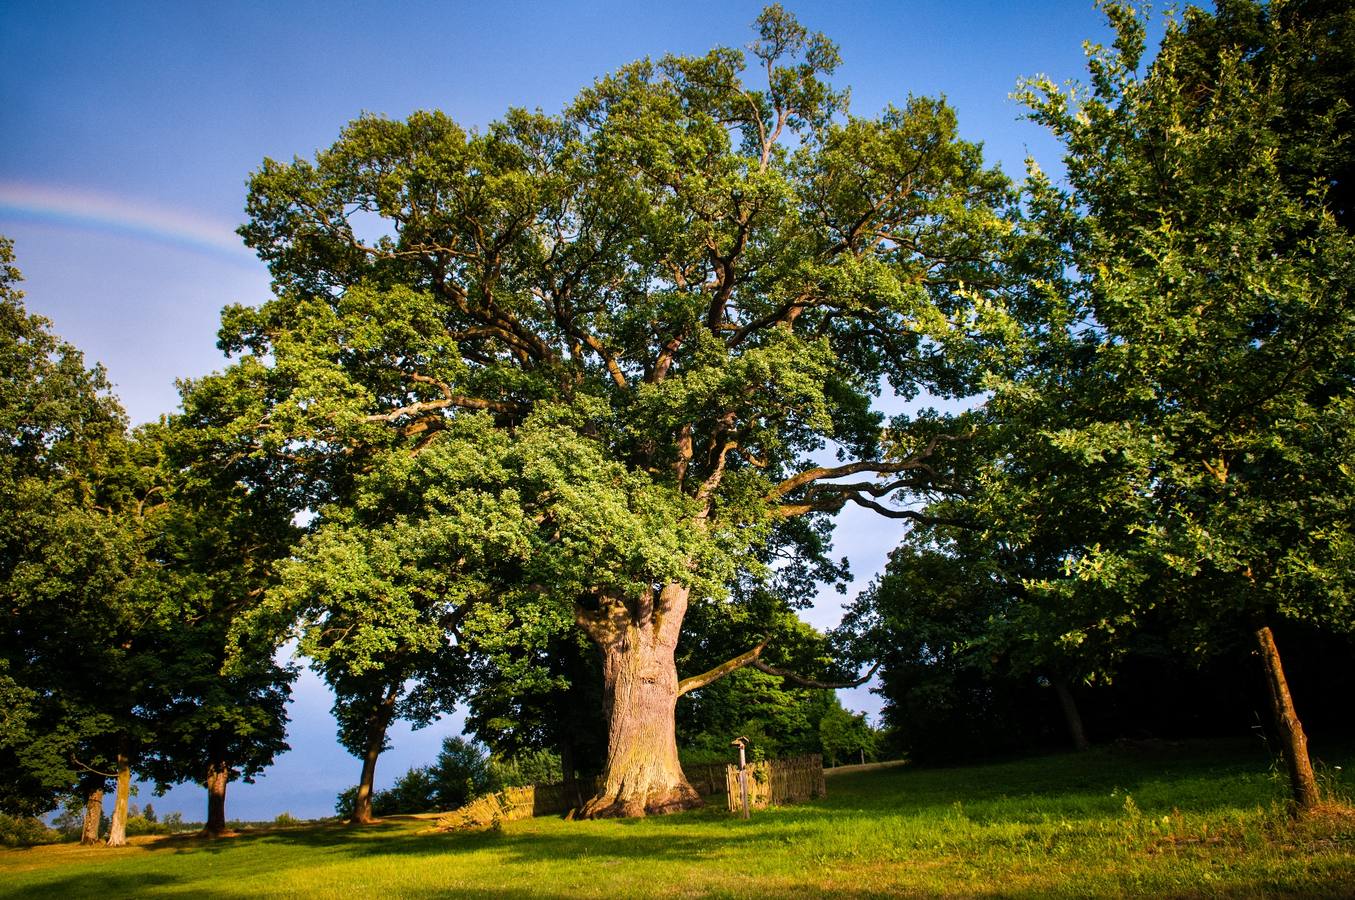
741	743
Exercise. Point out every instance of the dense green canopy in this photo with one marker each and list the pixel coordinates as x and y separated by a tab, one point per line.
584	363
1174	446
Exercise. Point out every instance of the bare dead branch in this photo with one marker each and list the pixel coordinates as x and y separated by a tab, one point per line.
812	682
79	765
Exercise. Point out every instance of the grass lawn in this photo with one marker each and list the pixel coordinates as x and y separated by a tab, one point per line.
1202	819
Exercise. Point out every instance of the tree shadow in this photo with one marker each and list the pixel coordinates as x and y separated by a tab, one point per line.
1090	784
101	883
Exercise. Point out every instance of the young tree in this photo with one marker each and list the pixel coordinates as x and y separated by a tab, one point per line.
371	670
375	608
221	711
656	308
1208	229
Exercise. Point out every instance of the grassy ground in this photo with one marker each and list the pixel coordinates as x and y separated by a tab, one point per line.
1197	820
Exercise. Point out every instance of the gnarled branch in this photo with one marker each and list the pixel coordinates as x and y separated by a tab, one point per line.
449	399
916	461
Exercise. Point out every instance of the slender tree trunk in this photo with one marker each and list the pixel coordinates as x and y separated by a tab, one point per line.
117	828
1293	742
638	639
1071	717
376	740
94	813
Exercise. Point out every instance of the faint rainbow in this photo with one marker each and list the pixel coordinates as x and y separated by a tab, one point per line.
111	214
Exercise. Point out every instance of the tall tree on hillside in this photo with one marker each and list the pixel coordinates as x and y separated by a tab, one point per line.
56	413
220	713
377	604
77	588
1205	350
656	309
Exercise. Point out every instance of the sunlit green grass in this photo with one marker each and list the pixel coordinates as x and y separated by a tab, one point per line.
1199	820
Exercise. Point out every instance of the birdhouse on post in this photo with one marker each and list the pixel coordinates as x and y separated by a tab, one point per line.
742	744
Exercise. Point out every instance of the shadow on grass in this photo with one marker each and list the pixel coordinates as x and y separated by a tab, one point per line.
103	884
515	852
1200	776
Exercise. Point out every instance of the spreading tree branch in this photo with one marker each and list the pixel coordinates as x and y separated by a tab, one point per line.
449	399
752	658
696	682
918	461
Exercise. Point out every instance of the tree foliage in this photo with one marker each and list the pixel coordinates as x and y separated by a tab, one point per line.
124	569
1169	454
70	563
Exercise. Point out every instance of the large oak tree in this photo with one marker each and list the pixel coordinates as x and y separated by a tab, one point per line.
594	363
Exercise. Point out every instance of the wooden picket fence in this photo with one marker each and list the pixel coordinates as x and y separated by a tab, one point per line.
708	781
777	781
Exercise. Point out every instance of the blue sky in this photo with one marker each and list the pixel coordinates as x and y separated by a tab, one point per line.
130	129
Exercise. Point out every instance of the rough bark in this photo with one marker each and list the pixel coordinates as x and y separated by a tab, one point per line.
117	828
376	741
94	813
1293	741
638	638
218	775
1071	717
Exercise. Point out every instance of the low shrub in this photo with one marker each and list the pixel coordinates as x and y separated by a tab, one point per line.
25	831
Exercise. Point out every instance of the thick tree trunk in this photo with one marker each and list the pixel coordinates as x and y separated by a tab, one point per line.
638	639
218	776
117	828
376	740
1293	742
94	813
1071	717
